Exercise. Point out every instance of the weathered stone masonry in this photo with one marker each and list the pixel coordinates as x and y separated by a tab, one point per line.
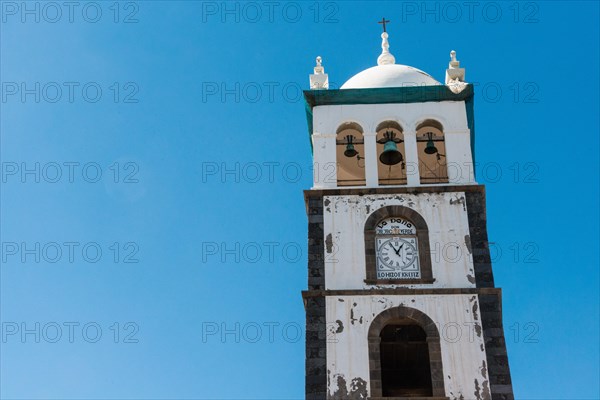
316	367
491	303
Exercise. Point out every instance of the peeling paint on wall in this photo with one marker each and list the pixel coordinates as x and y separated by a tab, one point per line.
486	390
459	200
483	369
475	307
468	243
385	301
340	392
329	243
477	391
478	331
483	392
356	391
352	318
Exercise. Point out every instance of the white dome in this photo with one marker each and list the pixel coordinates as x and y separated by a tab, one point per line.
389	75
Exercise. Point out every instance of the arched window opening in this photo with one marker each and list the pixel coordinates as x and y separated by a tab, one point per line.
405	369
432	152
350	153
391	166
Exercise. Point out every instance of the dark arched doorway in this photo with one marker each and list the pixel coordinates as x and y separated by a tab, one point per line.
405	370
405	356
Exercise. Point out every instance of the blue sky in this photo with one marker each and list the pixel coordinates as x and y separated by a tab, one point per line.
199	136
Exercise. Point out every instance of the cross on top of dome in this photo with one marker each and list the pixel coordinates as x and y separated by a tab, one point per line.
383	21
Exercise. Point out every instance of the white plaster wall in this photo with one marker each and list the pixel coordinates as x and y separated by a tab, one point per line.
451	114
461	339
344	220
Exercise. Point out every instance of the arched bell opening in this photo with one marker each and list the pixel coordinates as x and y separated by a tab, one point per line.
391	156
431	148
350	153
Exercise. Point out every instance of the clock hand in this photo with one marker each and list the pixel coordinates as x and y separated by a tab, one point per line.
400	248
397	251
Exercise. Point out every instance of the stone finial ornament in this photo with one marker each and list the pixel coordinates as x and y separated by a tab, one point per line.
455	76
453	62
386	57
319	67
319	80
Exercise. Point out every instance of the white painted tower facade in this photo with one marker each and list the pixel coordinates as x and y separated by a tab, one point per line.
401	302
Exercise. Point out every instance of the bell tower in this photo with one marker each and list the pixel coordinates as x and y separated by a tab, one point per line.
401	301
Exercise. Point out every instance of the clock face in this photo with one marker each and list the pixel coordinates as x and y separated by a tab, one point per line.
397	250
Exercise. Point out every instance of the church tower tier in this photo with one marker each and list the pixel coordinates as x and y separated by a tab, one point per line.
401	302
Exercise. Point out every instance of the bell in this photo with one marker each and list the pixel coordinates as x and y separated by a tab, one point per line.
390	154
430	147
350	152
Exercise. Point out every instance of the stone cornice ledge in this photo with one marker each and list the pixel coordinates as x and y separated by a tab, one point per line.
398	291
409	398
364	191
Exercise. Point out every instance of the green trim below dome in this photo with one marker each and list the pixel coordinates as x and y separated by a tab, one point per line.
408	94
